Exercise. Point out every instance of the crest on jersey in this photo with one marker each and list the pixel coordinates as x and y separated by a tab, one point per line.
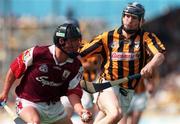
127	41
66	74
26	55
43	68
115	44
137	44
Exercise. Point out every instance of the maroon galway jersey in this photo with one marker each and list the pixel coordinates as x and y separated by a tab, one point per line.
43	78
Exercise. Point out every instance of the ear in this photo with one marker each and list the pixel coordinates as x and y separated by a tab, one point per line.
142	21
61	41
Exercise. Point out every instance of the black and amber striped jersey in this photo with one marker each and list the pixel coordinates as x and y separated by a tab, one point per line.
92	67
121	56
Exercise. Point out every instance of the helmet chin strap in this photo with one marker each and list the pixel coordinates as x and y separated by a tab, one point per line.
130	31
71	54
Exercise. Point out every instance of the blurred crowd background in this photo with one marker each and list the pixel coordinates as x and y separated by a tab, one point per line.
25	23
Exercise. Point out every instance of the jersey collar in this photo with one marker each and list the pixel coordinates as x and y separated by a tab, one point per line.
52	51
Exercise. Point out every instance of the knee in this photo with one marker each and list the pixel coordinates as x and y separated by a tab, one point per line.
115	115
34	121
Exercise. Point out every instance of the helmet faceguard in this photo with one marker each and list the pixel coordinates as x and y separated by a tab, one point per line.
134	9
66	31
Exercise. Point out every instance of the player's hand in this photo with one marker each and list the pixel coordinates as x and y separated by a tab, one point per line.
3	97
147	71
86	115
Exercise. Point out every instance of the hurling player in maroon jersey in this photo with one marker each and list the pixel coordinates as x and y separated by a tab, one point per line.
47	73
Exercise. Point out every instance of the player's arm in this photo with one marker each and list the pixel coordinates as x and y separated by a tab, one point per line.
156	49
93	47
75	92
74	95
16	70
157	60
9	80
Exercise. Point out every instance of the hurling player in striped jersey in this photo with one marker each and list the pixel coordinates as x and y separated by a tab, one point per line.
125	51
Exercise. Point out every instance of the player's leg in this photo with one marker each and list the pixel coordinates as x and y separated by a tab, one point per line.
100	115
123	120
86	102
132	118
28	113
108	104
42	112
139	104
57	114
126	98
136	108
64	120
136	115
95	110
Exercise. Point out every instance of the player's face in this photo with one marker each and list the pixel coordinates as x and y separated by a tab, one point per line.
131	22
72	45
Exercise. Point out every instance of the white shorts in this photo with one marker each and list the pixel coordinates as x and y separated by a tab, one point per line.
86	100
65	102
48	113
139	102
124	101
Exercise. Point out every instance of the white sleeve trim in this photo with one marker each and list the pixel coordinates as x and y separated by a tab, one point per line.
75	81
28	57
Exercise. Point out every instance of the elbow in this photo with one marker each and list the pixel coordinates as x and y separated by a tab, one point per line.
161	57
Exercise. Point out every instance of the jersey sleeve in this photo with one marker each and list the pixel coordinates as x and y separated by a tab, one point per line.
93	47
77	90
153	44
74	85
20	64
